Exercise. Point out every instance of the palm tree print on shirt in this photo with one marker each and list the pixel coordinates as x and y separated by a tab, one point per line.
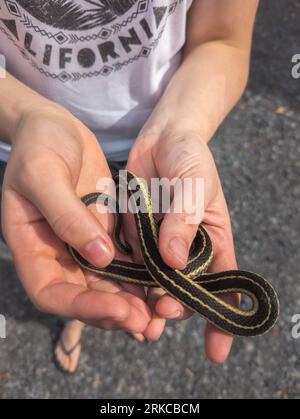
76	14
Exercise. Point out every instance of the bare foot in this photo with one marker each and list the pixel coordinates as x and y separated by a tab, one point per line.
68	348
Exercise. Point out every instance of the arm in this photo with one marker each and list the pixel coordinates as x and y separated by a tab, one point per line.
54	160
173	144
214	71
16	99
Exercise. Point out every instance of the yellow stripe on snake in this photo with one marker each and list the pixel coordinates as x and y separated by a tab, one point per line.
193	287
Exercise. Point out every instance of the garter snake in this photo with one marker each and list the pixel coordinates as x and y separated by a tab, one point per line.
194	287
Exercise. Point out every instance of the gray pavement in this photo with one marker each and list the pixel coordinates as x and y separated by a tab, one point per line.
258	154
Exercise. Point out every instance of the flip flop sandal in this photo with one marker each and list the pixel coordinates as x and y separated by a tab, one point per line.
68	353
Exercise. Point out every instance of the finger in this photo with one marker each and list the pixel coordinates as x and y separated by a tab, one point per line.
68	217
181	223
169	308
52	292
136	322
157	324
137	290
178	231
218	225
218	343
138	299
140	314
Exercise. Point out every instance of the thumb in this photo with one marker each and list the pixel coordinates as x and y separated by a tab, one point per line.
68	217
179	227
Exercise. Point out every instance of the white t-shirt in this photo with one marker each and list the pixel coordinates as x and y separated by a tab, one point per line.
107	61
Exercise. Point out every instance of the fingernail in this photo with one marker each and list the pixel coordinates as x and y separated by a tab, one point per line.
179	249
98	253
175	315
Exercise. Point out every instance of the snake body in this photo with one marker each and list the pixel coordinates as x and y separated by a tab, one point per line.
200	291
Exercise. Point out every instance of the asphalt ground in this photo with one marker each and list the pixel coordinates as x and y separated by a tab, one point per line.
258	154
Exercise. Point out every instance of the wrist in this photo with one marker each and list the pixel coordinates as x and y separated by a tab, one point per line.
165	122
24	111
172	139
16	101
53	126
172	132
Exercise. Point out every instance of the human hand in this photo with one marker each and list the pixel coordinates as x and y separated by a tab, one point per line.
172	154
55	159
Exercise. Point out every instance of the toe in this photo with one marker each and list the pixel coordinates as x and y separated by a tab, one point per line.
139	337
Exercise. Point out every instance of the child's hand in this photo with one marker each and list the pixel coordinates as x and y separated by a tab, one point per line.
54	160
183	155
